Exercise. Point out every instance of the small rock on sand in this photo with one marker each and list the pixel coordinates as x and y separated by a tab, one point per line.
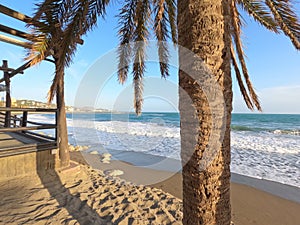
106	158
106	155
114	173
84	148
77	148
71	148
106	161
94	153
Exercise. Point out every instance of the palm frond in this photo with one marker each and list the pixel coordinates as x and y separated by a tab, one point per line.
134	18
138	70
63	22
162	34
41	29
287	19
39	49
236	33
260	12
49	13
171	10
140	35
53	88
126	29
240	81
82	17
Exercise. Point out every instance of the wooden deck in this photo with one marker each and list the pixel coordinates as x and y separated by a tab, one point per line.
22	149
14	143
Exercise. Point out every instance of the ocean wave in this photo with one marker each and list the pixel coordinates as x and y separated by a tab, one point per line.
138	129
243	128
267	153
291	132
238	128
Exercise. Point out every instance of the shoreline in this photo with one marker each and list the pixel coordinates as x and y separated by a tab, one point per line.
250	204
160	163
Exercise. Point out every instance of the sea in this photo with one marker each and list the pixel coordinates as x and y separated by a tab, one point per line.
264	146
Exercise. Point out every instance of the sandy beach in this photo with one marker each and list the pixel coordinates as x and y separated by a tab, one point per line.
253	201
86	195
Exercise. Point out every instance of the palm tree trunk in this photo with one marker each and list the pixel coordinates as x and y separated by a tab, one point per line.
64	155
203	28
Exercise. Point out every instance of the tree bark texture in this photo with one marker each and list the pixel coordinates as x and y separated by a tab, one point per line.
203	28
64	154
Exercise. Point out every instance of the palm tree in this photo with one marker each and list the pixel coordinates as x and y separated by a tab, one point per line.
57	28
209	29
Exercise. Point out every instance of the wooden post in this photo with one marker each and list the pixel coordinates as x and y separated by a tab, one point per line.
15	120
8	98
56	129
24	119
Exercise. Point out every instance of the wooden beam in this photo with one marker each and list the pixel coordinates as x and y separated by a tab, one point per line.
3	109
24	18
14	14
13	129
8	69
18	70
14	32
14	41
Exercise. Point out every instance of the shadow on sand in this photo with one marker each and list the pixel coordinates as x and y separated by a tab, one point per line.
78	209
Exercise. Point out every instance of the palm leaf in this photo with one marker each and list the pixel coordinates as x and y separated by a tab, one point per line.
53	88
286	18
39	49
240	81
171	10
126	29
64	22
162	34
134	19
140	35
138	70
260	12
236	33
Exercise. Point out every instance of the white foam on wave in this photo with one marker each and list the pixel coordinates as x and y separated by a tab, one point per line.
291	132
138	129
266	142
149	138
263	155
47	119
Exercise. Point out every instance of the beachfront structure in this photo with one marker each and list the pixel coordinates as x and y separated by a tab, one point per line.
23	148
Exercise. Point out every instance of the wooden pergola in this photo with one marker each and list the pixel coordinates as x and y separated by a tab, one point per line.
19	143
10	72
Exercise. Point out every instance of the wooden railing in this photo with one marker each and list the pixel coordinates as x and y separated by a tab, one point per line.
2	119
16	120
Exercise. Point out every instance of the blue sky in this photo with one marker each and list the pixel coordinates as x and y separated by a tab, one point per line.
272	61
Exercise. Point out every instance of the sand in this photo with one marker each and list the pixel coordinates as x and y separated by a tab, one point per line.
85	195
250	205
